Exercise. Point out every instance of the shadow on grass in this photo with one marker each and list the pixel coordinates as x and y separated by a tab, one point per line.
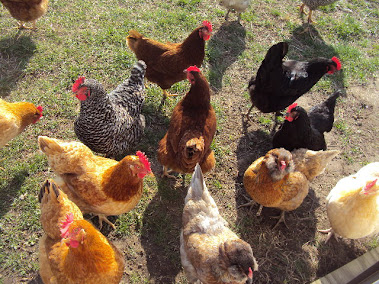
162	222
9	192
224	48
15	53
282	254
306	43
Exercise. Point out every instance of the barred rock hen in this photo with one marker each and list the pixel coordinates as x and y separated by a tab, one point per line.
353	204
281	178
210	252
96	184
15	117
306	130
191	130
111	123
166	61
279	83
26	10
72	250
313	5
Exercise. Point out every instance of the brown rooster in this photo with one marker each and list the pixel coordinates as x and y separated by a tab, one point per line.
72	250
15	117
26	10
191	131
96	184
166	61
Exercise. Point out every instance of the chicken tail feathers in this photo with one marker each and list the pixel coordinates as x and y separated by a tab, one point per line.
197	185
46	189
138	72
276	53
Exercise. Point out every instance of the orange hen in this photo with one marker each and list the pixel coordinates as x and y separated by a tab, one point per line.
15	117
72	250
191	131
96	184
281	178
166	61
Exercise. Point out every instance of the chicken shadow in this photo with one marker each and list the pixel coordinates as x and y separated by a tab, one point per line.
280	251
15	53
160	238
335	254
306	43
224	47
9	191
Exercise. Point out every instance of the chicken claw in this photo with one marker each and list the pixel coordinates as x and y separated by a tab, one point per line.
167	94
330	233
281	219
104	218
166	172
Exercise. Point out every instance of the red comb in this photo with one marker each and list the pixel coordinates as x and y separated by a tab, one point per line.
77	83
143	159
250	273
66	225
291	107
368	186
337	61
208	25
193	68
40	109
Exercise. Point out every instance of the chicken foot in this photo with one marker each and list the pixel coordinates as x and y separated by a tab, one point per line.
166	172
251	203
167	94
330	233
104	218
281	219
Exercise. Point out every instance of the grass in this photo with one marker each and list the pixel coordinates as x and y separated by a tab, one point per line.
88	38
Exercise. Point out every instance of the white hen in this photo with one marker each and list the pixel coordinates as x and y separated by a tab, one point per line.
353	204
238	6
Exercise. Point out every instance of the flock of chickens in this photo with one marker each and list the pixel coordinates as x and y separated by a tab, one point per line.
74	251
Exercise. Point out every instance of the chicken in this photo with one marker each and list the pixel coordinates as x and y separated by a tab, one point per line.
26	10
111	123
166	61
235	5
71	250
306	130
353	204
313	5
96	184
191	130
279	83
210	252
281	179
15	117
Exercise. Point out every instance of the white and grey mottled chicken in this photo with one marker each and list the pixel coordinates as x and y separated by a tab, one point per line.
210	252
238	6
353	204
313	5
111	123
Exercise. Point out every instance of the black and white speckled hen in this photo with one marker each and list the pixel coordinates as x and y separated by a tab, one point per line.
111	123
280	83
306	130
313	5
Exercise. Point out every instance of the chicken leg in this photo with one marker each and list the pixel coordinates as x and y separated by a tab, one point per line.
281	219
104	218
330	233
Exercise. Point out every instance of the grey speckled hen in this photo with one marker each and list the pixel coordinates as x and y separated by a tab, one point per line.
111	123
313	5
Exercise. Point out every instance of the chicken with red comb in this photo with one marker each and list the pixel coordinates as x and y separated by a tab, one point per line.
71	249
281	178
166	61
96	184
278	83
